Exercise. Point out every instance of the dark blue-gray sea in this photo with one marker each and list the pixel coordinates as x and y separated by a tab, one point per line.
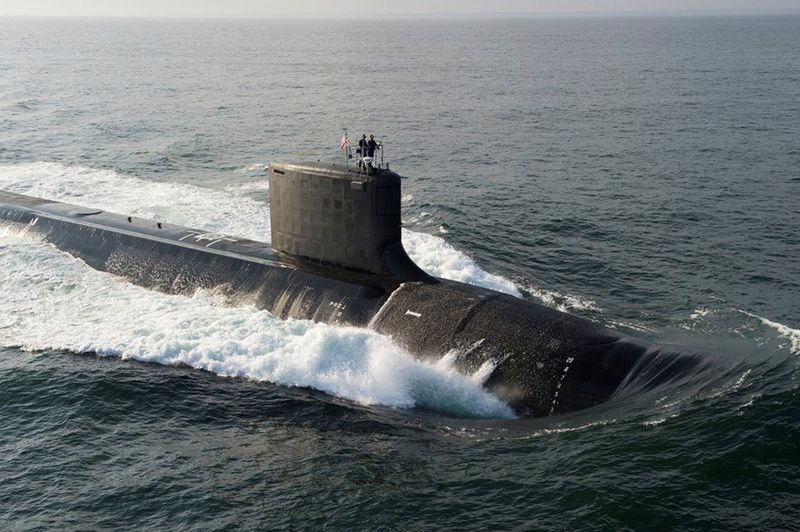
639	172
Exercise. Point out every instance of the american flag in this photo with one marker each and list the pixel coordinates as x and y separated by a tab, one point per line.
344	143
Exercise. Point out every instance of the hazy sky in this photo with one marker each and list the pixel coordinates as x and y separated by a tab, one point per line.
284	8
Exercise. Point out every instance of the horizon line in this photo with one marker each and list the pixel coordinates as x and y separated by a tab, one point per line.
434	15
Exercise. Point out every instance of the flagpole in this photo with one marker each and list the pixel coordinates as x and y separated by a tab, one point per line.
346	149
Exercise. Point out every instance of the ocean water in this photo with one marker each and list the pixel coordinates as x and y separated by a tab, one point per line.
640	172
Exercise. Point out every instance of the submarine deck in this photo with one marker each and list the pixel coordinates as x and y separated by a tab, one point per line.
191	238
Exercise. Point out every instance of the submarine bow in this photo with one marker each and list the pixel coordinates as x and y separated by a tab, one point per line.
337	257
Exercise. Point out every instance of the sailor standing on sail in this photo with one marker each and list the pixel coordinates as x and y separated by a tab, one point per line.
372	145
361	151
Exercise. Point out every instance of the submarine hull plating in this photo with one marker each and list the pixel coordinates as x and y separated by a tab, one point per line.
541	361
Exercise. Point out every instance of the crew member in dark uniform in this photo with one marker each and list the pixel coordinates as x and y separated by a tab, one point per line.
361	151
372	145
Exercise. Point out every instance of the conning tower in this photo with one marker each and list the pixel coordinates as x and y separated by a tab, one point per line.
340	216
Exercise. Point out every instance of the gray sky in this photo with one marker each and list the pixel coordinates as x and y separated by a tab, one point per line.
301	8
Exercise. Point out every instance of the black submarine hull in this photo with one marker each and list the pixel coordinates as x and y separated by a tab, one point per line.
539	360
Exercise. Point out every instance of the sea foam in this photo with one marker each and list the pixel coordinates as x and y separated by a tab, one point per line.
54	301
793	335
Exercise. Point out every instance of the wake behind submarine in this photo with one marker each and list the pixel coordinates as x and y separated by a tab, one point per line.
337	257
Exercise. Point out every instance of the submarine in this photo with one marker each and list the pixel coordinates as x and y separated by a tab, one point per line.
336	256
